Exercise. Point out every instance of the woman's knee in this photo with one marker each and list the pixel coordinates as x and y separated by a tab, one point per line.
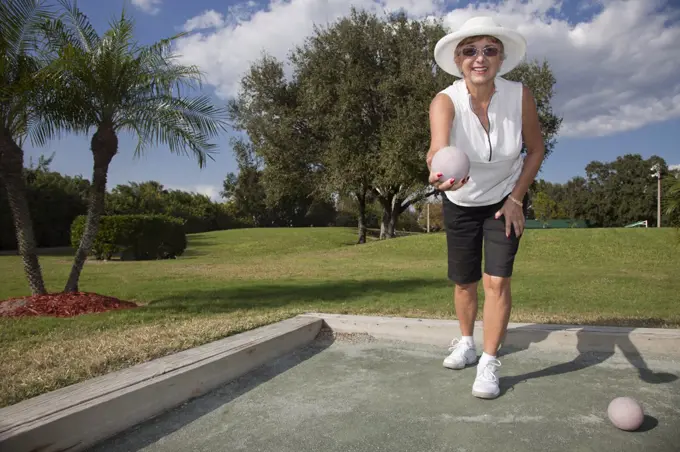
467	287
496	285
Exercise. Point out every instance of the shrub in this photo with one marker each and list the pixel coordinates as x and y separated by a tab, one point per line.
137	237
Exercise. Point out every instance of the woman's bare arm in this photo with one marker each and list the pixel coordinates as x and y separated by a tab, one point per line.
441	118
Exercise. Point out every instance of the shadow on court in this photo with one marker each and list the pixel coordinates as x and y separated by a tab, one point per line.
520	339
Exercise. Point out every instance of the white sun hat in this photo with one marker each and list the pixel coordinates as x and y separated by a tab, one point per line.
514	44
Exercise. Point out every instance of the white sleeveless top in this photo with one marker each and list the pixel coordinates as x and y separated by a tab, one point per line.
495	159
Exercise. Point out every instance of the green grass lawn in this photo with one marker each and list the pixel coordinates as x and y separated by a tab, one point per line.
232	281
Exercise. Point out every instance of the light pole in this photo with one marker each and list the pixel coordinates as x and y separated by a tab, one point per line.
656	172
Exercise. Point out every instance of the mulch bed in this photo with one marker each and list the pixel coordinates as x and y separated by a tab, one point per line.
61	305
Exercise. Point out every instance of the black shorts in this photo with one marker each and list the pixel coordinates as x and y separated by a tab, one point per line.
467	228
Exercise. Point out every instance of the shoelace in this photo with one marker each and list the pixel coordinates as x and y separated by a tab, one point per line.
456	344
488	373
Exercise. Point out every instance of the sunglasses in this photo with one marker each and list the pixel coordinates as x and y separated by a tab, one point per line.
489	51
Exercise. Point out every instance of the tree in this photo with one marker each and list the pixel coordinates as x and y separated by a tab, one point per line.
406	88
363	82
671	198
339	70
244	190
571	199
136	198
199	212
115	85
622	191
545	208
21	59
280	165
612	194
54	200
574	200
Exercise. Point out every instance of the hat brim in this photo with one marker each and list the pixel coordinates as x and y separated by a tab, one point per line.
514	46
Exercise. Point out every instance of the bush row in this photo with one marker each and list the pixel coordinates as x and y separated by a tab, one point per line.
134	237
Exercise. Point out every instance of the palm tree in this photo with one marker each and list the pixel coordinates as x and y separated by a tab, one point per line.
672	200
116	85
21	59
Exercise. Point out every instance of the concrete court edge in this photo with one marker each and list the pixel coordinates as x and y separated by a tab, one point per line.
78	416
54	422
554	337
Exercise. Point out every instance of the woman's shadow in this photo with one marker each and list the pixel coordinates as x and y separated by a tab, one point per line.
520	338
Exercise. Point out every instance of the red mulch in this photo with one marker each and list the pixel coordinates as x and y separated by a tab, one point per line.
61	305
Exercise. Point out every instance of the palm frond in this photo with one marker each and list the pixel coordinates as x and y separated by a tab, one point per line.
153	81
79	30
17	93
672	198
58	36
67	84
16	76
160	61
164	46
41	131
19	26
181	124
119	38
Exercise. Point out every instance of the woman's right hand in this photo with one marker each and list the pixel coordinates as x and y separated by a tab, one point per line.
446	185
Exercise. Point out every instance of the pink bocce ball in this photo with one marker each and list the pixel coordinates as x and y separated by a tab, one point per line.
452	163
626	413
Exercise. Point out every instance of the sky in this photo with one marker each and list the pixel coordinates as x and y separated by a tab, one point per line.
616	65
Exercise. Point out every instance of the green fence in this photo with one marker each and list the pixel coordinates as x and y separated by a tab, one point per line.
555	224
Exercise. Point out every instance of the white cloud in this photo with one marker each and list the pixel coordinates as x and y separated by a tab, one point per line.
209	19
148	6
210	191
226	53
615	72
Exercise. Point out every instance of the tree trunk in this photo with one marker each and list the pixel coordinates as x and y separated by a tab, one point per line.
11	175
104	147
383	225
361	200
386	199
388	224
393	206
391	211
392	223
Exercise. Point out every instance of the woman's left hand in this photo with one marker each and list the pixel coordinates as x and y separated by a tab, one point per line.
514	217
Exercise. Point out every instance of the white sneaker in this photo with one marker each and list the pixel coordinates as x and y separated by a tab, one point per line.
486	383
462	354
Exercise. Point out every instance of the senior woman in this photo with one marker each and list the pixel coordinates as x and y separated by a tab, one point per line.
489	118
